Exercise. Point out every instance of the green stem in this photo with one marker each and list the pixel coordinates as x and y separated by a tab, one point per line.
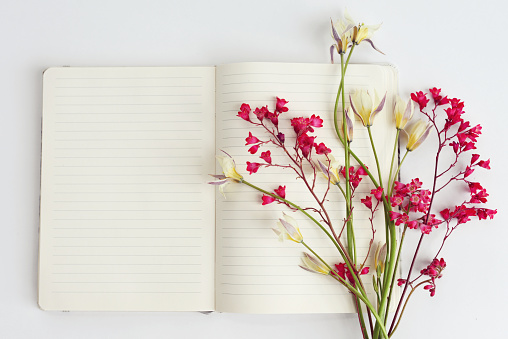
393	159
375	156
398	169
339	247
341	87
395	270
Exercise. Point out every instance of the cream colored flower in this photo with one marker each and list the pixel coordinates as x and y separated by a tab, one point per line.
403	112
366	107
229	173
288	229
361	32
331	171
417	133
313	264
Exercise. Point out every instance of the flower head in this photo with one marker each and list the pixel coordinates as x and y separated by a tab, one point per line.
229	172
331	172
379	259
342	33
349	126
288	229
312	264
417	133
403	112
366	107
361	32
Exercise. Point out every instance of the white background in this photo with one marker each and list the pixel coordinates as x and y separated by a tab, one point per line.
457	45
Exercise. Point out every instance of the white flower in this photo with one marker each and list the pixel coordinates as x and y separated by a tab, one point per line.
331	172
312	264
229	172
366	107
417	132
403	112
288	229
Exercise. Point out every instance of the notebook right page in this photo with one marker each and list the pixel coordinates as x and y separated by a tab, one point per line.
255	273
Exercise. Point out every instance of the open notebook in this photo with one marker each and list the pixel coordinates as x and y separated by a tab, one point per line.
127	221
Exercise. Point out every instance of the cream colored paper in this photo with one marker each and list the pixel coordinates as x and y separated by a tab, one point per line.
127	223
255	273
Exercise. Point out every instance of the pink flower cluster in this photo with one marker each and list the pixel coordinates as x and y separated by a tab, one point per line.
410	198
343	271
434	271
304	142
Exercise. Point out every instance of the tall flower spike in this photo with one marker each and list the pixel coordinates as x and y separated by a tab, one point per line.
417	133
366	107
313	264
229	172
403	112
288	229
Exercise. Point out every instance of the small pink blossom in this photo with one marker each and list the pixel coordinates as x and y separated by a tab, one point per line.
420	98
280	105
252	167
244	112
251	139
266	156
253	149
377	193
367	201
322	149
484	164
267	199
474	158
281	191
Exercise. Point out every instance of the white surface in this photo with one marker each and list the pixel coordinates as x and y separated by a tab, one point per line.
455	45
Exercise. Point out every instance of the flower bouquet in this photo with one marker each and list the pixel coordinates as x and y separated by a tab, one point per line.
394	207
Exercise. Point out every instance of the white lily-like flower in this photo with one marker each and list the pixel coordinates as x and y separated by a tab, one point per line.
379	259
229	172
288	229
417	133
313	264
331	171
361	32
342	33
366	107
403	112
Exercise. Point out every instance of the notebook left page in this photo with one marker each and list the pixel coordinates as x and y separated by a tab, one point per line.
126	223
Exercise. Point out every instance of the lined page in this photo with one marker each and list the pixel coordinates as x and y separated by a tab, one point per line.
255	272
127	223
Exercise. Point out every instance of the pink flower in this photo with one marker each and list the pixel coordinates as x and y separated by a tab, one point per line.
484	164
474	158
281	191
279	106
484	213
438	99
305	144
378	193
316	121
261	113
266	156
396	200
281	137
322	149
367	202
253	149
426	229
244	112
267	199
252	167
474	187
468	171
401	282
420	98
251	139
